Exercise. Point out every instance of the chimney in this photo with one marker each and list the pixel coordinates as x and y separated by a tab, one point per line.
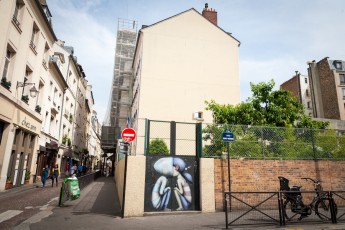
210	14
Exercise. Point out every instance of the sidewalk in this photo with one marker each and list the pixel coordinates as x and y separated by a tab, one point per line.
98	208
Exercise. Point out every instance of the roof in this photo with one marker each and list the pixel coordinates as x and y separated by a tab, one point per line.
144	27
191	9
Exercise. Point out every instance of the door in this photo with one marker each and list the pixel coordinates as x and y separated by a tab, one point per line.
171	183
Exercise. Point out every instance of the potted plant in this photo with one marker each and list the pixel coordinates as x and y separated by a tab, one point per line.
5	83
9	183
27	177
25	98
64	139
38	109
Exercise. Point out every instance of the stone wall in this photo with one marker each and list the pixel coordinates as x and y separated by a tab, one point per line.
262	175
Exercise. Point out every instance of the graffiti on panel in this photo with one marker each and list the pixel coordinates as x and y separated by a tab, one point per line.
163	190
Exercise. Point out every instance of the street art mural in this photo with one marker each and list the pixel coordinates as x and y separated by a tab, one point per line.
168	184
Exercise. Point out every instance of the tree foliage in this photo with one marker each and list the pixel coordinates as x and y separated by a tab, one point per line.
267	107
158	147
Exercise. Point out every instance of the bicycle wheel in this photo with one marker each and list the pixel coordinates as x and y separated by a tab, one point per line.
323	209
288	214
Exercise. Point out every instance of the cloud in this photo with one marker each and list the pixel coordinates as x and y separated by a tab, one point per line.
94	45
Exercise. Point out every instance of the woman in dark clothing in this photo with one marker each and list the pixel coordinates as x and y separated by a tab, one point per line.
55	175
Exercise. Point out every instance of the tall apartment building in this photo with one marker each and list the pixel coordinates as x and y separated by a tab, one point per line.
299	87
44	114
327	83
26	43
121	98
179	63
323	91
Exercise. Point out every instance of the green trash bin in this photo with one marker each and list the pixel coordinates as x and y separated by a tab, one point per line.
73	188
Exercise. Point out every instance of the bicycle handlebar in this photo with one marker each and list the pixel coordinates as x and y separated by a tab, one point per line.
314	181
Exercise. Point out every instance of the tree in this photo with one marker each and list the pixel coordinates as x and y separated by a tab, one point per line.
267	107
158	146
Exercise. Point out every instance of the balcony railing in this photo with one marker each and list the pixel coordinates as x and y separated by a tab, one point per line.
33	47
16	23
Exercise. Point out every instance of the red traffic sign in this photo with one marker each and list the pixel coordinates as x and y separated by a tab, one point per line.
128	134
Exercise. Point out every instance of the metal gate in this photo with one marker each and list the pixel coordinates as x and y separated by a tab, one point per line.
171	183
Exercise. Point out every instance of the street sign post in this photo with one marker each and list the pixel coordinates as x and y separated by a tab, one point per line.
128	134
228	137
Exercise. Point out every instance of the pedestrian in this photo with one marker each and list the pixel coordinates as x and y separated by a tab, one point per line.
44	175
55	175
80	169
74	169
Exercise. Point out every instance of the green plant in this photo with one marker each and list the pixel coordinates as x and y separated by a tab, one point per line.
64	139
70	118
38	109
5	83
69	142
8	179
27	175
158	146
25	98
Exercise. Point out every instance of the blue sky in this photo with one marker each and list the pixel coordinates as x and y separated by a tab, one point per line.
277	36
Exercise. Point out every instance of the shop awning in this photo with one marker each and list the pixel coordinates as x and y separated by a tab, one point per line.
52	145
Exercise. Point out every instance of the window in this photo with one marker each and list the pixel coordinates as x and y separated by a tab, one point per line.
337	64
306	80
2	127
34	38
8	66
18	14
308	104
307	93
342	79
343	89
45	56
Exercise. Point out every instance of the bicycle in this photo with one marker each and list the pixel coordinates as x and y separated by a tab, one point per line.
293	201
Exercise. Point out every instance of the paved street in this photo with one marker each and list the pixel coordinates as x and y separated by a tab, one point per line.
97	208
18	204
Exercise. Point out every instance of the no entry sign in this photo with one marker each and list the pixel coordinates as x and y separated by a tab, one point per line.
128	134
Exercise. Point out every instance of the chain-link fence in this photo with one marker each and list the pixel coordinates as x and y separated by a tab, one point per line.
251	142
273	142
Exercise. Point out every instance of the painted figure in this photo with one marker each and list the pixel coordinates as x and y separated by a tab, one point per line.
171	167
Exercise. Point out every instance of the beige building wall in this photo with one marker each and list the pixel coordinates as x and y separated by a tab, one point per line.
180	63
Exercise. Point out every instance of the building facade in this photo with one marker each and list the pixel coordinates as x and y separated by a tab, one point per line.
299	87
43	120
179	63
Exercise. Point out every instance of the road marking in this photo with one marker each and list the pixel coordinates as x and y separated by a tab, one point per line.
9	214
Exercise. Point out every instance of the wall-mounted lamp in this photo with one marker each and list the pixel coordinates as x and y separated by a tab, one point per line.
33	90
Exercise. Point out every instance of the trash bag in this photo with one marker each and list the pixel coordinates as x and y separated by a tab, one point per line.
73	187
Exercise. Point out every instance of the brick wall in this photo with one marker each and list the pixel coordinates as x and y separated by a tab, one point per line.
260	175
328	90
292	86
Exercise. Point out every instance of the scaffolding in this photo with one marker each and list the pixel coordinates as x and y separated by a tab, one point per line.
120	100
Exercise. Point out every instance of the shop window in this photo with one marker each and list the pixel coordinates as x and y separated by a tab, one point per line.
16	136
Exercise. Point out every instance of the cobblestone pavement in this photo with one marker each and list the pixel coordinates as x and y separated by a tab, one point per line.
19	204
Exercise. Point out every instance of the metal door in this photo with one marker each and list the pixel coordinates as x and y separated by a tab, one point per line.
171	184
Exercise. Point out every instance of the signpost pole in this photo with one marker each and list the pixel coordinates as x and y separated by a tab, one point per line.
229	183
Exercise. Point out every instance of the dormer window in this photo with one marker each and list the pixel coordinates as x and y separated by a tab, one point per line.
338	65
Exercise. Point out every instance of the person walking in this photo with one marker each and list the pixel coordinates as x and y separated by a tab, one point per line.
80	170
44	175
55	175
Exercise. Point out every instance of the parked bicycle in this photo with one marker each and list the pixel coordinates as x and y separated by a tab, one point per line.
293	202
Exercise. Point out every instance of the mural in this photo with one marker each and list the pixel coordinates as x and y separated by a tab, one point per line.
172	190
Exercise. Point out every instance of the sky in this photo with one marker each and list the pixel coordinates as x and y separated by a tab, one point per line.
277	37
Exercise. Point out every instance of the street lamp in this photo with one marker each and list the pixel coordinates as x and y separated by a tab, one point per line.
33	90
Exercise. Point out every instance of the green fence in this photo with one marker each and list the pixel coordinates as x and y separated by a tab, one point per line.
251	142
273	143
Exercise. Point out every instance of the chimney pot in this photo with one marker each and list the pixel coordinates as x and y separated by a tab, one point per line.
210	14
